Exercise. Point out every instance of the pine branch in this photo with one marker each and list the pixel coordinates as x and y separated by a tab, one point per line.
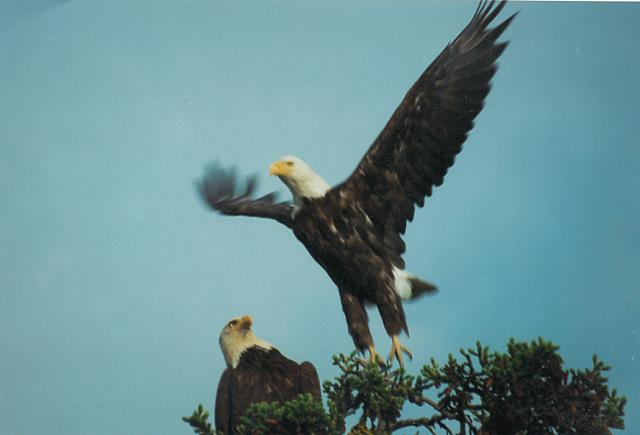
425	422
524	390
199	421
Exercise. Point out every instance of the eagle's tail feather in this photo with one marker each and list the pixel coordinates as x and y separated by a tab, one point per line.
419	287
410	287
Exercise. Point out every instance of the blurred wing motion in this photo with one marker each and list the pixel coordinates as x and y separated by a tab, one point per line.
354	231
218	189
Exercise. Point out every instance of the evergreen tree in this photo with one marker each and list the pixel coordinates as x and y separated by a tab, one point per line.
523	391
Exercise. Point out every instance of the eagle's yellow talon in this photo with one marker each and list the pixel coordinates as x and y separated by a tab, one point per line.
397	349
374	357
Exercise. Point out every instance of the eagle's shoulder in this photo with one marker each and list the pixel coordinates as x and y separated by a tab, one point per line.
257	357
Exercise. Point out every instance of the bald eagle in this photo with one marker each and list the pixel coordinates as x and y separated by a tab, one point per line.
354	230
256	372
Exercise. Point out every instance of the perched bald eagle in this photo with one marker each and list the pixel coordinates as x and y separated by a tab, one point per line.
256	372
354	229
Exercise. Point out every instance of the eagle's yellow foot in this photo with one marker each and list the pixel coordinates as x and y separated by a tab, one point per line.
374	357
397	349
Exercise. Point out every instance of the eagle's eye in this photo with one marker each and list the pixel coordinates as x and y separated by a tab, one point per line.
233	323
289	163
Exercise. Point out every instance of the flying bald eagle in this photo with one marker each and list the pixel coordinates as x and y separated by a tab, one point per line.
354	229
256	372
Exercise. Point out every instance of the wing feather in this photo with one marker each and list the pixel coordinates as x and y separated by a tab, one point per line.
419	144
309	381
223	406
218	189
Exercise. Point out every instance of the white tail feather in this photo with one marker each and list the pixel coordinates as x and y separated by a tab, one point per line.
402	283
409	286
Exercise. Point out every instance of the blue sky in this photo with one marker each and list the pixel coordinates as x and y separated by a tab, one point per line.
116	280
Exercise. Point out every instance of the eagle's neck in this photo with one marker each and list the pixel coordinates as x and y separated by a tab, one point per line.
310	186
233	349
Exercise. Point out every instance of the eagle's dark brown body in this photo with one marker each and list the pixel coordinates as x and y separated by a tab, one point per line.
354	230
339	236
261	376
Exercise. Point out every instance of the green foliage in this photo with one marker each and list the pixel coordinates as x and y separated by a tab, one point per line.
376	391
199	421
523	391
303	415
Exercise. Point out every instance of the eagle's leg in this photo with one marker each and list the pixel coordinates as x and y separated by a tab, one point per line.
393	318
397	349
374	357
358	324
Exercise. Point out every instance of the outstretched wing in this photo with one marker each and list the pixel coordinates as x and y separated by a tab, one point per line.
218	189
425	133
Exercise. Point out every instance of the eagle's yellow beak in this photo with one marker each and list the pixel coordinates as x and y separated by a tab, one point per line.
245	322
279	168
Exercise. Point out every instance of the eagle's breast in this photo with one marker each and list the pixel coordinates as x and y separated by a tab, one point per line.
341	238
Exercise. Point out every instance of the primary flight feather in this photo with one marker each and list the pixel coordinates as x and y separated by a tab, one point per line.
354	230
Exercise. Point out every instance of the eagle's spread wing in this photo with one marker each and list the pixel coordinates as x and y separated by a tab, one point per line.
218	189
419	143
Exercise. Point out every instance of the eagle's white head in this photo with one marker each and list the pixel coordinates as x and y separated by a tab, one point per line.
236	337
299	178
